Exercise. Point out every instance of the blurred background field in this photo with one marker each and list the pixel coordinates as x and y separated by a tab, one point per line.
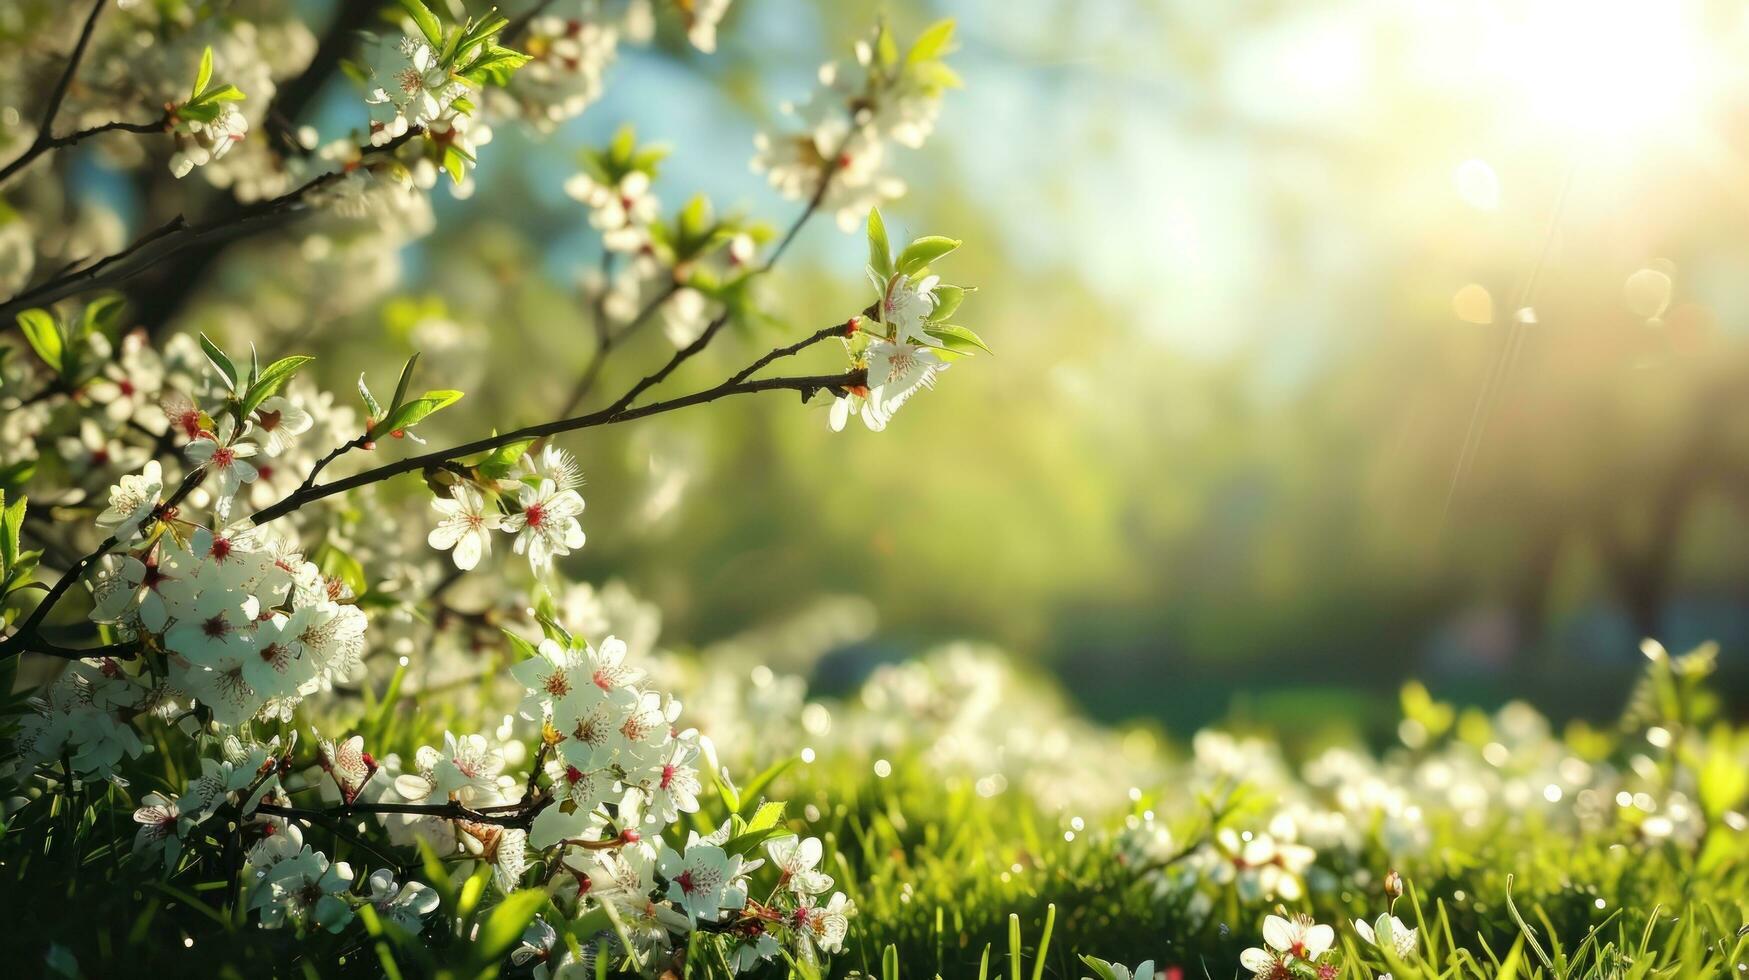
1266	433
1369	373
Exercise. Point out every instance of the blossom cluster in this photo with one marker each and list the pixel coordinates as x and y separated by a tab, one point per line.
839	149
910	342
225	616
537	501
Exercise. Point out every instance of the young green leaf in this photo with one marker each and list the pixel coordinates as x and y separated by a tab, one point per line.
935	41
414	411
272	379
425	20
695	217
219	361
505	923
498	464
204	74
920	253
370	400
224	93
625	141
522	647
947	300
406	381
880	254
43	335
338	564
11	525
956	338
102	314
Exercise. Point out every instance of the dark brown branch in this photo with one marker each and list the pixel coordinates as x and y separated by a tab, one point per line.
175	236
28	636
114	651
44	141
808	386
722	319
44	144
521	817
333	454
178	235
609	341
842	330
332	822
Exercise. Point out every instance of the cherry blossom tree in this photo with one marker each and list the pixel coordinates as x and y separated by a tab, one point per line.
208	564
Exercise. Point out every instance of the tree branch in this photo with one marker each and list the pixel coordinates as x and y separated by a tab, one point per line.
521	816
176	235
808	386
28	636
44	141
608	340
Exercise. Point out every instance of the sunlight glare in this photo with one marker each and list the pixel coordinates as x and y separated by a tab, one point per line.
1604	71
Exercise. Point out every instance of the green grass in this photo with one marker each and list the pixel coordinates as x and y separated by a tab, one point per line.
982	829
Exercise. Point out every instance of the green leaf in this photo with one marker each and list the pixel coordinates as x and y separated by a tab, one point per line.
455	165
886	49
880	254
625	141
477	33
935	41
495	65
520	645
370	400
224	93
406	381
335	563
43	335
220	361
505	924
425	20
11	525
435	874
472	891
1101	969
947	300
415	411
695	218
766	817
204	74
203	112
752	790
648	158
920	253
273	379
498	464
956	338
102	314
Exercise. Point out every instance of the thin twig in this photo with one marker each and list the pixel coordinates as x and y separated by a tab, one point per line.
28	635
835	383
44	140
178	235
521	817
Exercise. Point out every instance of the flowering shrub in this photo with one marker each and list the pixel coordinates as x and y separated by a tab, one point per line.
180	531
297	685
